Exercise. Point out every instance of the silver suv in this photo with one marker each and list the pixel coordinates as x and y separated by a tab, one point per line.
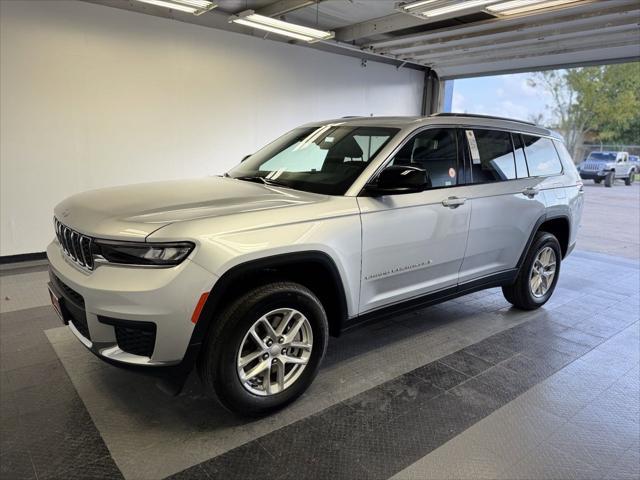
332	225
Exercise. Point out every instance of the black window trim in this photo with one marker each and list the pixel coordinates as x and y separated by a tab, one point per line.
468	155
512	132
410	136
513	145
462	151
554	148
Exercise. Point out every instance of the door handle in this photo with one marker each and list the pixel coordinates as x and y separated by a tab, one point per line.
453	202
530	192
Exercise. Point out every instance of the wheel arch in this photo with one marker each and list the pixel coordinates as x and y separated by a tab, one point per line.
313	269
558	224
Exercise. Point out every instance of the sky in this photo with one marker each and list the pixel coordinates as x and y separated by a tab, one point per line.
502	95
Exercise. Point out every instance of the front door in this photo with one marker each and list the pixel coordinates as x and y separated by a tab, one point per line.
413	244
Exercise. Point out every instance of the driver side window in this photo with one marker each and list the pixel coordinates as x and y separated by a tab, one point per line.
434	150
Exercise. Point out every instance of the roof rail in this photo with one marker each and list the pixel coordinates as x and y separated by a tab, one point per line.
476	115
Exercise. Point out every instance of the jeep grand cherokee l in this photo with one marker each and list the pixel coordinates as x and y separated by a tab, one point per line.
333	224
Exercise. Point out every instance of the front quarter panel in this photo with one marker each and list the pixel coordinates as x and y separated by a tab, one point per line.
330	226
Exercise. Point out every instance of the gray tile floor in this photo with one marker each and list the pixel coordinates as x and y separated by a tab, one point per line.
582	422
467	389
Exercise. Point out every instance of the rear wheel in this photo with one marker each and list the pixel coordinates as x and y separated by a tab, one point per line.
609	179
538	274
266	348
629	180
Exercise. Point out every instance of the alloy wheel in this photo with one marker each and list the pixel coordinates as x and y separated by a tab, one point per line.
275	351
543	272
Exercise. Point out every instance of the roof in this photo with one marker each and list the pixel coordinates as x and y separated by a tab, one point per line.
443	119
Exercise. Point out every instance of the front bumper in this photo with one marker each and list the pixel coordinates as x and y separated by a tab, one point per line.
130	316
592	175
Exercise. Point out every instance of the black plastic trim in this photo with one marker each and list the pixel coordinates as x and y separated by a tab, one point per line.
505	277
144	326
217	294
477	115
544	218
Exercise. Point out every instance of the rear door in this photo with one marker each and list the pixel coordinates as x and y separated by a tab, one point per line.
413	244
506	201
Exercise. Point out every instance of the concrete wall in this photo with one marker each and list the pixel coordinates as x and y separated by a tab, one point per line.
93	96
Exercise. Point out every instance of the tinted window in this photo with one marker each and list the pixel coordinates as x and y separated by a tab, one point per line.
602	156
521	163
434	150
324	159
492	159
542	158
562	151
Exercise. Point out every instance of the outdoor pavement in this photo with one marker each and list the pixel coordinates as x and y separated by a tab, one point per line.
611	219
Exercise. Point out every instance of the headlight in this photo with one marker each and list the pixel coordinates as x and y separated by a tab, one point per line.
154	254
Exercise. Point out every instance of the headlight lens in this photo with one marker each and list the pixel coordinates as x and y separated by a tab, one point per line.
155	254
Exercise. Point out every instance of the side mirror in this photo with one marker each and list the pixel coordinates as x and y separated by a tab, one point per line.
244	158
397	179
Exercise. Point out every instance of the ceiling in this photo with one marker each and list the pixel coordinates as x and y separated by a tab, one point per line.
466	43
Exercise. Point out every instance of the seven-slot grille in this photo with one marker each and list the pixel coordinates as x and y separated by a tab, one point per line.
74	244
593	166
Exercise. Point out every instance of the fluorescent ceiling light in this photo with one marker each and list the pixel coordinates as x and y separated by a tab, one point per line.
414	5
251	19
197	7
515	7
434	8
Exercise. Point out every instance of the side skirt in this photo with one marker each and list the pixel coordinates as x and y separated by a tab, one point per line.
506	277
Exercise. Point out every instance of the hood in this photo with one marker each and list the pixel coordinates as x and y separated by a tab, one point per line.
135	211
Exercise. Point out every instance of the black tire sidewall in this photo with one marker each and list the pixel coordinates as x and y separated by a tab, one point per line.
542	241
226	382
609	179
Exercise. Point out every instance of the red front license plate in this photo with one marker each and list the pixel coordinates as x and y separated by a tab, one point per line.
55	302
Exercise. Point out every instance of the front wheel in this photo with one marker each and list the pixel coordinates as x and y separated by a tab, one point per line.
597	180
265	349
538	274
609	179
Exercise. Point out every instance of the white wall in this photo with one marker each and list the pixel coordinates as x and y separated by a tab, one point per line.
93	96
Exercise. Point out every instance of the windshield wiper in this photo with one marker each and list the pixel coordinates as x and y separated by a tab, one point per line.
264	180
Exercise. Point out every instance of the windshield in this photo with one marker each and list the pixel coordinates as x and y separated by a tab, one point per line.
602	156
325	159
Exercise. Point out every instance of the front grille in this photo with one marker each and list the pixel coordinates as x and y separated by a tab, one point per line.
593	166
138	338
74	244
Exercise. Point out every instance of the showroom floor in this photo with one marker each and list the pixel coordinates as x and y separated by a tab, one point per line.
467	389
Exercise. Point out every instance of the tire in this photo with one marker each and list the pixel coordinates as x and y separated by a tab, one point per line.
218	362
629	180
597	180
520	293
609	179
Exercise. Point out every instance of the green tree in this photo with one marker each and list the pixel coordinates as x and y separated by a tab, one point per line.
604	101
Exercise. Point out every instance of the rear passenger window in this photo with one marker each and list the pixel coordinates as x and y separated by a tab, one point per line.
562	151
492	157
542	158
521	163
434	150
